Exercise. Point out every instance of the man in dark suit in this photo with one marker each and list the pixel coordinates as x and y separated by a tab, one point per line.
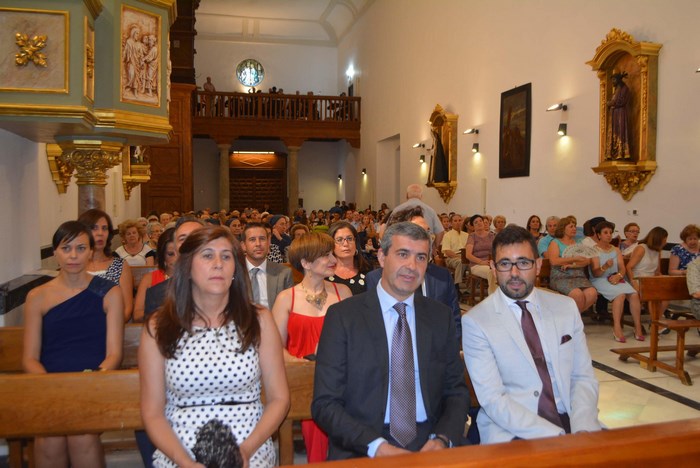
438	281
388	374
272	278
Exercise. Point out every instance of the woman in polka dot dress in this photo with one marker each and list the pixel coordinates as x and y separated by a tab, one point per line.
205	354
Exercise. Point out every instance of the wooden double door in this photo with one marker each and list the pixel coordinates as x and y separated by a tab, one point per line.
258	181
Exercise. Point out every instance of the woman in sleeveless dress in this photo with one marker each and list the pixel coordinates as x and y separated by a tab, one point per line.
73	323
205	355
103	263
299	312
607	272
567	275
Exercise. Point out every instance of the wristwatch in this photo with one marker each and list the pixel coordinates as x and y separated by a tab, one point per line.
447	442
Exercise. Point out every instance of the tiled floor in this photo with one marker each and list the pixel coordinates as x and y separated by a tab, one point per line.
629	394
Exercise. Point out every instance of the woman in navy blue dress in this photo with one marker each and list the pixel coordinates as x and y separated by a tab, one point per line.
73	323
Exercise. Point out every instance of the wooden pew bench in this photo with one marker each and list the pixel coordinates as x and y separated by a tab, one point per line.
12	342
654	289
664	444
94	402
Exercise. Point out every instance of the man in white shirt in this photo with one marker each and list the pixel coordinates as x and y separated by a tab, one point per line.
453	242
267	279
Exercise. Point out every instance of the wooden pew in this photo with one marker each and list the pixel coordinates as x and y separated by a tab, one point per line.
654	289
12	342
93	402
664	444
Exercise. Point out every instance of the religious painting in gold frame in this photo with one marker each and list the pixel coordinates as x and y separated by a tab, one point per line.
628	73
141	50
34	47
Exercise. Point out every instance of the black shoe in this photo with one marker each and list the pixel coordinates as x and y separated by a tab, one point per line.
664	331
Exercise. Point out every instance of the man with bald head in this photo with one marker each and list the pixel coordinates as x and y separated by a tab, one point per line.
414	197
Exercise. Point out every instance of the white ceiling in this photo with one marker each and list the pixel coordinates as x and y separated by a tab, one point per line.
308	22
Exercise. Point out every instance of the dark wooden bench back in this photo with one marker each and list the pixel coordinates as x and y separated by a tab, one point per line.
663	288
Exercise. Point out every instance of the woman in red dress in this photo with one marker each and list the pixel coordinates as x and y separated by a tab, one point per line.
299	312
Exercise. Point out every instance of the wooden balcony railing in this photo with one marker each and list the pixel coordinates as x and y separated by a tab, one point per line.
291	117
277	106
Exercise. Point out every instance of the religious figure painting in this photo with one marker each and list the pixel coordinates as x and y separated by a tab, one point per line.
140	57
514	147
618	137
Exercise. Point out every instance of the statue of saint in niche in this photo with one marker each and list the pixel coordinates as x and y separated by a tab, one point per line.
618	138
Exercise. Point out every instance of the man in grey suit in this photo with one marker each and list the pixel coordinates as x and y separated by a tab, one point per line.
267	279
526	352
389	379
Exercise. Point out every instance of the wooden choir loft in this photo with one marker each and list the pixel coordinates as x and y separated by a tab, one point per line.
228	116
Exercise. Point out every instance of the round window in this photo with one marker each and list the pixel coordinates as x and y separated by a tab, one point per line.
250	72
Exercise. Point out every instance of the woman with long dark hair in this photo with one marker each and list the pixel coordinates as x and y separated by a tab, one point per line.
206	354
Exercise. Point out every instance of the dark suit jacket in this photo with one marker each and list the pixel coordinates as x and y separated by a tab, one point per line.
352	373
440	286
279	278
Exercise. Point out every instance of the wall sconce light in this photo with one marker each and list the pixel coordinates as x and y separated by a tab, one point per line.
558	106
475	148
419	145
422	159
562	129
471	130
697	71
364	171
340	177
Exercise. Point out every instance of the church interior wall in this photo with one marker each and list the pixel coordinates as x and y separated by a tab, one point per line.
464	54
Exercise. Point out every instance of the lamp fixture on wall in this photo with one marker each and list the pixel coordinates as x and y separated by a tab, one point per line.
559	106
562	129
471	130
340	177
697	71
364	171
419	145
422	159
475	148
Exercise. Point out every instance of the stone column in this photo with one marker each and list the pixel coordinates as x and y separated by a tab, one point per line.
224	190
91	159
293	178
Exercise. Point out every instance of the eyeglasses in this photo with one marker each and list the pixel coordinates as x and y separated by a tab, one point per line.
522	264
340	240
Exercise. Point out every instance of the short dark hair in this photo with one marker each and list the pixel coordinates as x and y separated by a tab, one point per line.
68	231
309	247
405	215
602	225
254	224
187	219
474	218
513	234
404	228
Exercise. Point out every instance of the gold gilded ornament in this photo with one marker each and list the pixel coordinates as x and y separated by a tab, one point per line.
30	50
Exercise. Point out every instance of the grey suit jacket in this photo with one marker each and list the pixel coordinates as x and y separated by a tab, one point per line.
504	374
352	373
279	278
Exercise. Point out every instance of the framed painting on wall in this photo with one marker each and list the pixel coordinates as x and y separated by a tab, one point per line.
140	57
515	129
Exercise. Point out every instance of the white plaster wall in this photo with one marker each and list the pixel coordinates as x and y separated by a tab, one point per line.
290	67
464	54
32	209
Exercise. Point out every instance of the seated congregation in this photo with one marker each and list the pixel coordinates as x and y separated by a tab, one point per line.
232	303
